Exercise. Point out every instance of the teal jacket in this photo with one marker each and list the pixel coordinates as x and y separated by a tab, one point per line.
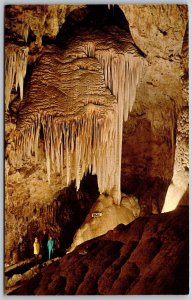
50	244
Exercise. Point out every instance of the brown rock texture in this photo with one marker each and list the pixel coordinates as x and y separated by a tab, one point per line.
180	181
148	256
157	30
154	124
155	137
35	21
109	216
60	217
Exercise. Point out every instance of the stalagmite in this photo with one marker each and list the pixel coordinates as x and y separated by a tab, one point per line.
15	70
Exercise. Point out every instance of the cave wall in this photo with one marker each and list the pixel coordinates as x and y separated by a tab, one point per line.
31	204
152	129
149	135
32	23
178	191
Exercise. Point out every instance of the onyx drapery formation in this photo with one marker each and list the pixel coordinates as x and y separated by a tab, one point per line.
80	96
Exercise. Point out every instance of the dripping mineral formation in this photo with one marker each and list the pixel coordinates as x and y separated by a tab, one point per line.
15	70
82	120
96	135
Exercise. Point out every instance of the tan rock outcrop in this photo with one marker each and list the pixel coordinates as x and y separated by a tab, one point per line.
103	216
158	30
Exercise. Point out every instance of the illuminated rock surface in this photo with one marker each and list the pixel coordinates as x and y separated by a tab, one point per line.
179	187
82	123
110	215
15	70
148	256
154	142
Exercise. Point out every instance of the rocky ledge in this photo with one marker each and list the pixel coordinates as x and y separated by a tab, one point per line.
148	256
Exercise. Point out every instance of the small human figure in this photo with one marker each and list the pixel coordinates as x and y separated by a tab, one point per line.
50	246
36	249
44	245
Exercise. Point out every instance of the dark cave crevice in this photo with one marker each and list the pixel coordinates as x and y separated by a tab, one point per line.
96	17
60	219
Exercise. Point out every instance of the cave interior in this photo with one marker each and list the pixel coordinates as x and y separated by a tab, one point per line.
96	121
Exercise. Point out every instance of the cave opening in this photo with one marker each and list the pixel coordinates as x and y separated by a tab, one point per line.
92	16
72	208
59	219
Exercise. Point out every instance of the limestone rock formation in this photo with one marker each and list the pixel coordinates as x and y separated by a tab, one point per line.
80	118
103	216
148	256
157	30
66	81
15	70
152	128
179	187
30	23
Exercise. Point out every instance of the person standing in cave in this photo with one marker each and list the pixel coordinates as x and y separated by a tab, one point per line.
44	245
50	246
36	249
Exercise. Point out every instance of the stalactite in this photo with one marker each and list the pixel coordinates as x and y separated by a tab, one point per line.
90	51
91	141
15	70
25	31
93	152
122	72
